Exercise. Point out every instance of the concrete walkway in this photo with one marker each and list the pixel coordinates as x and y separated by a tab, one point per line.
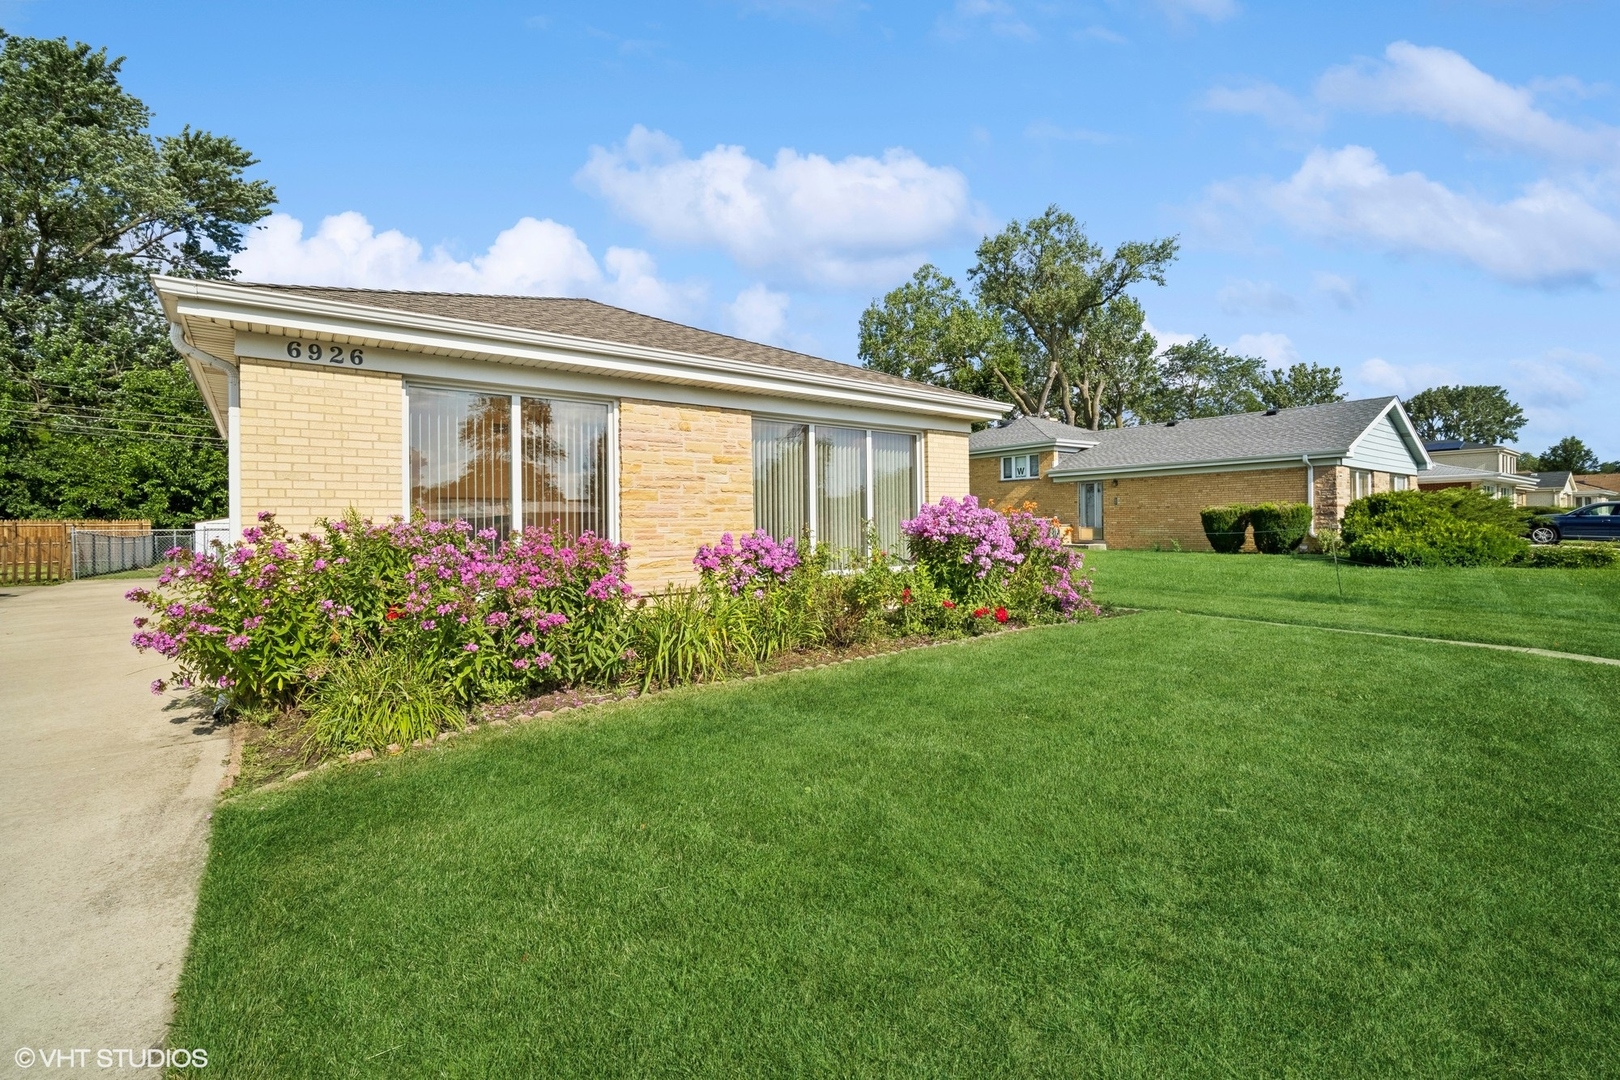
105	794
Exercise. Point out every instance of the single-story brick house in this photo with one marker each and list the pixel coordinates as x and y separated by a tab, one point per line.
656	434
1488	467
1141	487
1551	489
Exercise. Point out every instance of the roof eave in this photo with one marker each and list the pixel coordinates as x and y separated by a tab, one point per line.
1318	457
184	298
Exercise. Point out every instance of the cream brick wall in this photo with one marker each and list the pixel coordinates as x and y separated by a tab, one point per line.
1061	501
316	442
1140	512
685	476
945	465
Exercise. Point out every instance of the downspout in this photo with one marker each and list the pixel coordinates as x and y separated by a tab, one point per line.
1310	489
233	425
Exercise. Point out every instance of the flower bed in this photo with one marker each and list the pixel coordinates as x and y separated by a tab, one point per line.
365	631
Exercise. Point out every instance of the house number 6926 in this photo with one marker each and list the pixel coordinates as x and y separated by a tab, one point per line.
332	354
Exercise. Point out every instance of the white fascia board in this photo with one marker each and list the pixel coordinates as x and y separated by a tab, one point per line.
1270	461
199	376
1027	447
324	320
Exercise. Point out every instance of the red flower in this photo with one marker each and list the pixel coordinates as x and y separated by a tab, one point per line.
1001	614
980	612
905	595
948	603
393	613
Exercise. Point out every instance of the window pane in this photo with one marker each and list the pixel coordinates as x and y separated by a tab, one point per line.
565	466
781	479
461	457
1006	468
840	487
894	487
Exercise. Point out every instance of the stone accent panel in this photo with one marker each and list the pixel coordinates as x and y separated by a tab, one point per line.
317	442
945	465
686	475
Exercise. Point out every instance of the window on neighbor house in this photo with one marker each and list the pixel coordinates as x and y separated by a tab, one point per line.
460	460
1021	467
832	482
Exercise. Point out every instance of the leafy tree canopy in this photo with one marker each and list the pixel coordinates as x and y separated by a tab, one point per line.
926	330
98	417
1302	384
1568	454
1481	414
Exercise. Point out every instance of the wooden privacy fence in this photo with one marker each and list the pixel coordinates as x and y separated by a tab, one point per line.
39	551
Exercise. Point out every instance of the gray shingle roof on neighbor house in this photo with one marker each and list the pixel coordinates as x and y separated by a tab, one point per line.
1029	431
1317	430
1550	479
594	321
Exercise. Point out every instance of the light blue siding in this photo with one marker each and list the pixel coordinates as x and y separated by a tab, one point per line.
1382	449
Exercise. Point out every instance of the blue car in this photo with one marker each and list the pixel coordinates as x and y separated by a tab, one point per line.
1600	521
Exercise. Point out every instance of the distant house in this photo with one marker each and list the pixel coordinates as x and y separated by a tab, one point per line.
1140	487
1553	489
1489	467
1596	487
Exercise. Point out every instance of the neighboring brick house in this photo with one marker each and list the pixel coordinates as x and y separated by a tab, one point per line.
1142	487
653	433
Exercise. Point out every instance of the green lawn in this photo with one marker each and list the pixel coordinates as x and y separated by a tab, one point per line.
1150	846
1566	610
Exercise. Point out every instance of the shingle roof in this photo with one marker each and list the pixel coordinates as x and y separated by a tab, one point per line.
1029	431
1551	479
1289	433
594	321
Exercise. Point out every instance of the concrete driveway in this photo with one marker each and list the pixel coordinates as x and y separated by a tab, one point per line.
105	793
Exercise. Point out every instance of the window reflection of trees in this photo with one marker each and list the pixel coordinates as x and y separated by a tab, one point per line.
460	457
565	465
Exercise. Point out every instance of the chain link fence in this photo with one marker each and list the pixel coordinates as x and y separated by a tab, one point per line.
97	553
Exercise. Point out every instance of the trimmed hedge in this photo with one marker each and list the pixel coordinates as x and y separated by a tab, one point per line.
1226	527
1280	528
1568	556
1424	528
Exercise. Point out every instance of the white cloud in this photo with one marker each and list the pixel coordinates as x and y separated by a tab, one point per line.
1102	33
1241	296
1442	85
1275	349
1380	376
1548	235
534	258
998	16
861	221
758	314
1167	338
1558	379
1348	293
1271	103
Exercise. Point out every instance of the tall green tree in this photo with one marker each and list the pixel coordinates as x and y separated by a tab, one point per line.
1199	378
1568	454
1302	384
1118	364
927	330
1482	414
98	417
1043	278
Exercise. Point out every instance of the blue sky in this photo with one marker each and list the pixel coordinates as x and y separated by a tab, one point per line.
1415	192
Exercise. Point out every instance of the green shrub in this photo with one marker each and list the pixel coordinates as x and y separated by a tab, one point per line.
371	700
1421	528
1280	528
1226	526
1569	556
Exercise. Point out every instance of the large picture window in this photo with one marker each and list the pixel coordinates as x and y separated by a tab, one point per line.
462	468
461	457
834	483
